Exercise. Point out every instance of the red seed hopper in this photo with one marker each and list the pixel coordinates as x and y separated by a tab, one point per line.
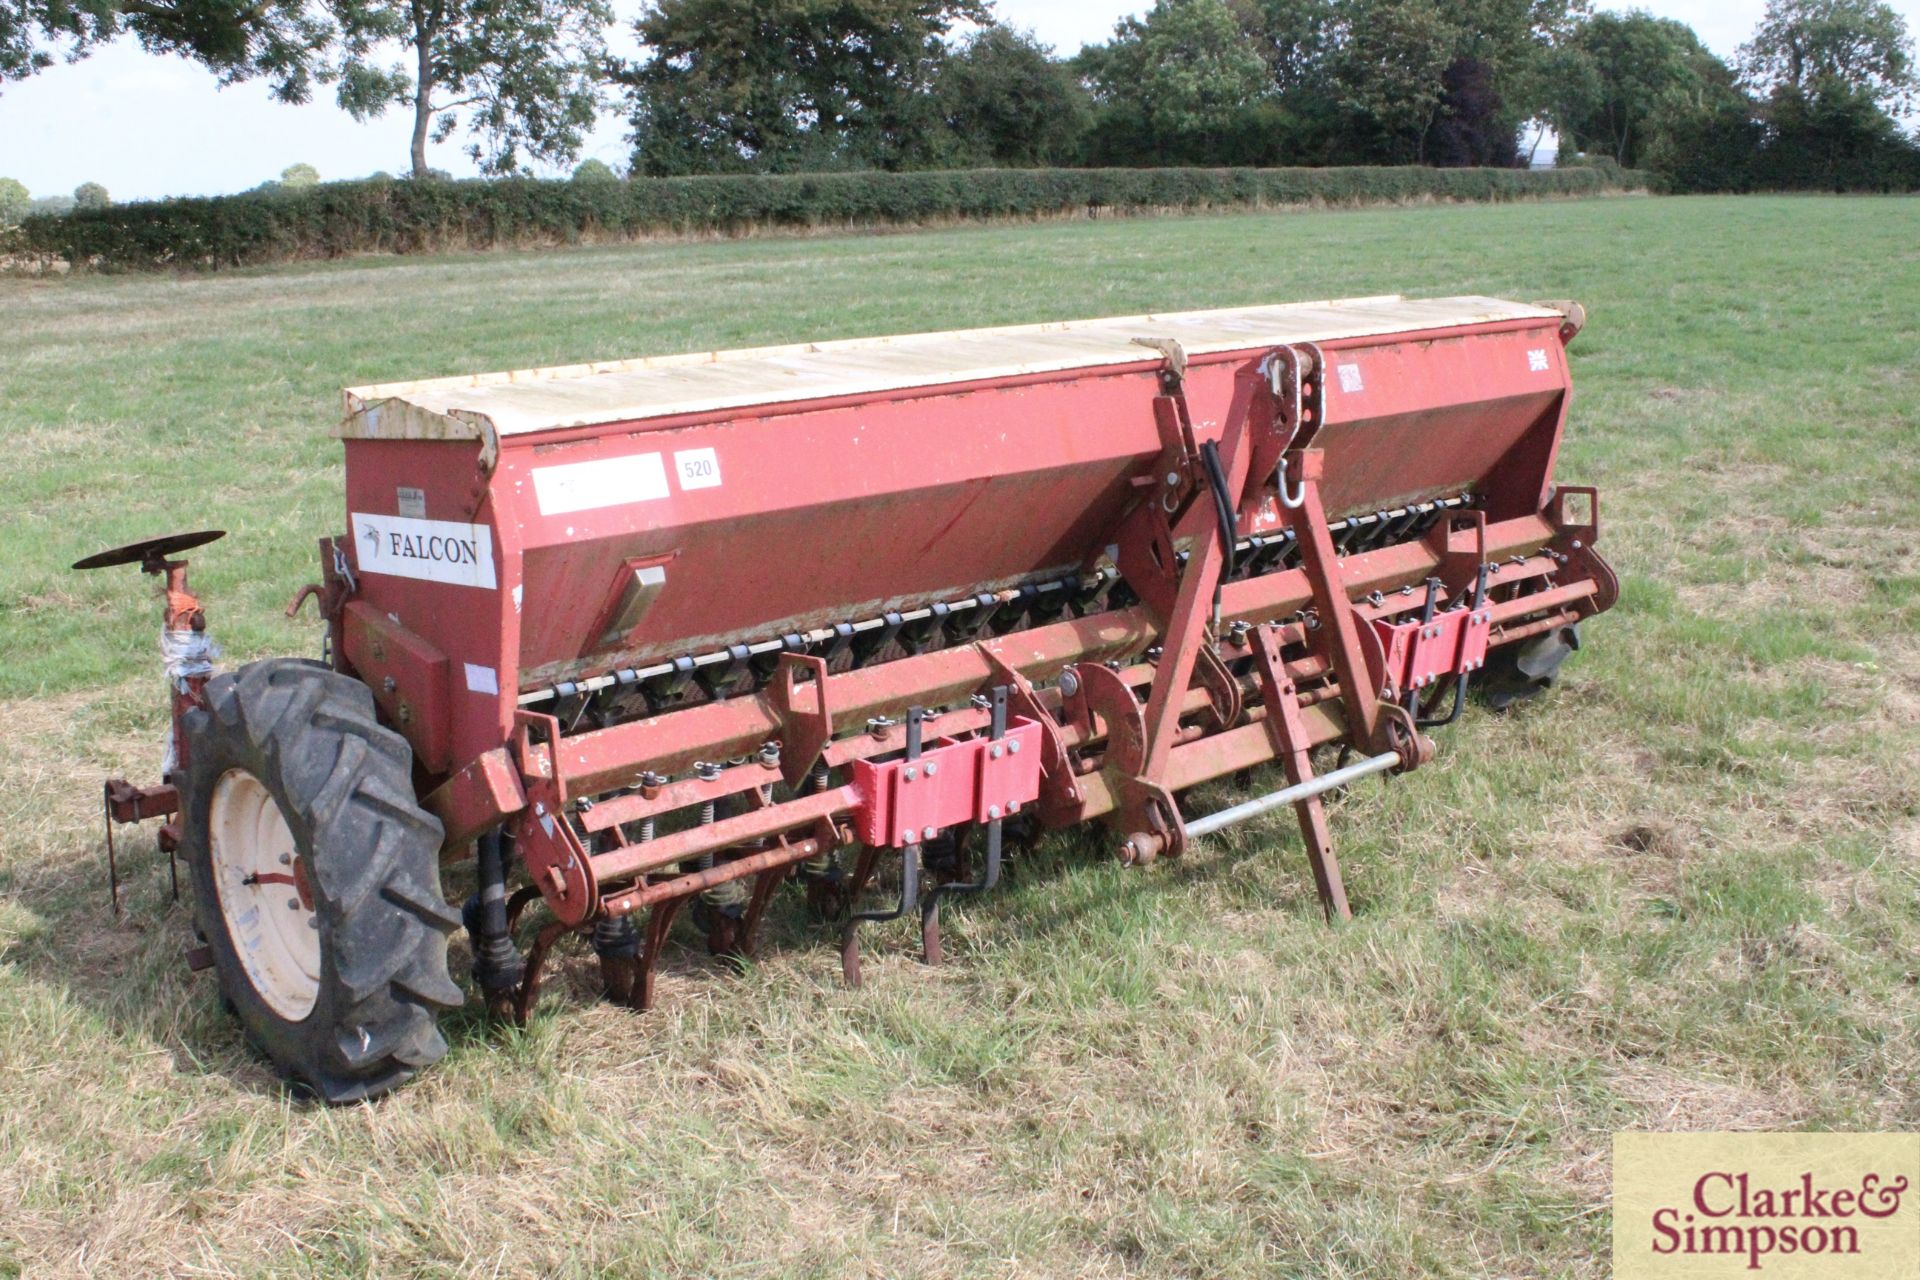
683	629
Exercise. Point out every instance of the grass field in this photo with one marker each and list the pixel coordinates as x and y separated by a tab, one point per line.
1683	892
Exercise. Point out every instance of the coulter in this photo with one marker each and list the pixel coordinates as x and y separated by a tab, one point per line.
671	633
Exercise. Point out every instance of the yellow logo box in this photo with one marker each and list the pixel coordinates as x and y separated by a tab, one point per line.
1701	1206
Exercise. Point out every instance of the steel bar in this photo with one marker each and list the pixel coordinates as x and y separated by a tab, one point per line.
722	873
756	824
1527	630
1292	795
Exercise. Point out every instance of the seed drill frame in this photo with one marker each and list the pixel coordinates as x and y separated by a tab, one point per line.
656	628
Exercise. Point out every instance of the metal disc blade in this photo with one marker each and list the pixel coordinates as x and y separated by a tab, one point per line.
151	549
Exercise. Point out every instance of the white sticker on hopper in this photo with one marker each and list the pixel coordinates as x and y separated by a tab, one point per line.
698	468
1350	377
610	482
431	550
482	679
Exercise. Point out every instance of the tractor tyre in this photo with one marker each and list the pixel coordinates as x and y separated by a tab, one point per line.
316	878
1528	669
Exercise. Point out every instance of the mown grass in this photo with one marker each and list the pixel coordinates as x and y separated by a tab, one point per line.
1682	892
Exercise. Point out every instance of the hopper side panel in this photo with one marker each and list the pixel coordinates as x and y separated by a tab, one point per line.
760	525
1411	420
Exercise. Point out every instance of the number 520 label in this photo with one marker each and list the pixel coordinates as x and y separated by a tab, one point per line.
697	468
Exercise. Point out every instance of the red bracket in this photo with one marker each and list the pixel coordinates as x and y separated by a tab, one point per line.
128	803
1420	653
954	781
555	858
1570	521
806	730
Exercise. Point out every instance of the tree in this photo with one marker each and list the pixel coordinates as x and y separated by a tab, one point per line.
1622	70
299	175
1828	72
1297	39
1711	144
15	201
522	75
595	171
1186	73
235	39
91	195
1833	73
1836	140
1390	68
1005	100
1815	47
780	85
1515	41
1441	81
1473	126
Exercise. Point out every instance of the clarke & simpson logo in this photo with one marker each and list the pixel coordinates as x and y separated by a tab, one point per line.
1783	1204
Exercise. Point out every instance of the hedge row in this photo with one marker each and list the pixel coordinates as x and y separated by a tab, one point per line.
399	216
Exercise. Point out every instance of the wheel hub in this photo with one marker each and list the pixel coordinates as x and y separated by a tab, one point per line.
265	896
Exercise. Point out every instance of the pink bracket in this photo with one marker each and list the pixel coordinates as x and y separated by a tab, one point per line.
954	781
1420	653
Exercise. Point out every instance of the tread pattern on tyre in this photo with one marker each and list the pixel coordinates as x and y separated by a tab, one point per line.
344	784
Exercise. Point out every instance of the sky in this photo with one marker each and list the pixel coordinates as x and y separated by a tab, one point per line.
147	126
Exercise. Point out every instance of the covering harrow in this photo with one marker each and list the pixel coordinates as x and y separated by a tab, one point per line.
666	634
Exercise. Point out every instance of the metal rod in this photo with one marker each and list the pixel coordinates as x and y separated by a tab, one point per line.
742	828
698	881
1292	795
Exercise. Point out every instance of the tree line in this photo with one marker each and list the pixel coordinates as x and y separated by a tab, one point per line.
1816	97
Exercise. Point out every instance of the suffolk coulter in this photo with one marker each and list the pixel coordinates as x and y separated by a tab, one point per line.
671	633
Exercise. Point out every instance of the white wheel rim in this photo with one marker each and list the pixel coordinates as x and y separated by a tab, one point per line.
260	880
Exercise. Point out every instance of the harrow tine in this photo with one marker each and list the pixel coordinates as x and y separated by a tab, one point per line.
1411	698
529	989
909	899
659	925
989	873
1429	720
763	886
113	860
909	877
930	950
